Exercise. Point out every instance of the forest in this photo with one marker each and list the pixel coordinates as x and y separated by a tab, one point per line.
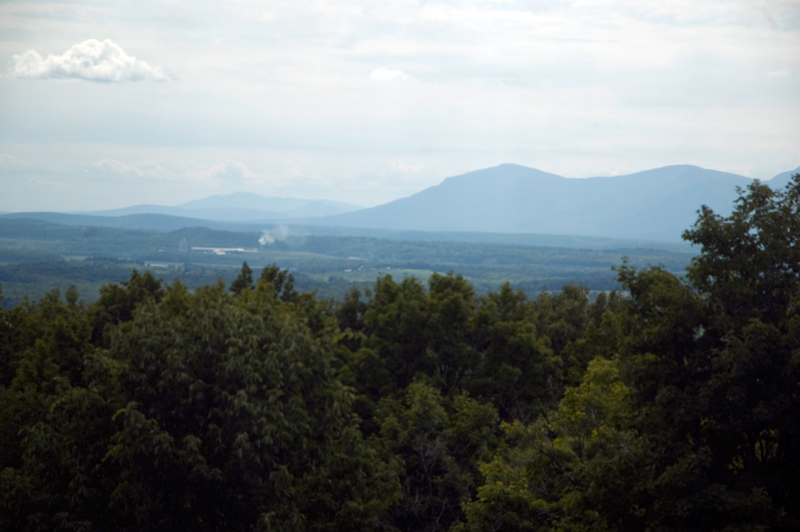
38	256
409	406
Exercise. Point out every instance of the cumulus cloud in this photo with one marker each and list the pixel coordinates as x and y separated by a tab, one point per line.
91	60
386	74
225	171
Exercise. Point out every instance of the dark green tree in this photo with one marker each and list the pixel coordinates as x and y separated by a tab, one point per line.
696	428
600	338
574	470
49	345
562	317
451	311
714	369
395	323
207	412
282	282
518	371
438	442
243	280
118	301
234	418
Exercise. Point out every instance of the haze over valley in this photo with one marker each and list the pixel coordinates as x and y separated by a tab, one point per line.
653	205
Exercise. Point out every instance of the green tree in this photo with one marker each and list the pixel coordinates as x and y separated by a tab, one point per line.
50	345
562	317
208	411
395	324
118	301
282	282
518	371
693	426
451	311
234	417
715	370
438	441
601	338
243	280
571	471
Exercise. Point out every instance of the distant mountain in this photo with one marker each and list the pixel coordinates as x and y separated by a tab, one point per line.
655	204
508	204
160	222
240	207
781	180
256	202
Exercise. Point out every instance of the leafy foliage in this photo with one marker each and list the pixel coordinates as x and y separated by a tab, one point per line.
206	411
697	429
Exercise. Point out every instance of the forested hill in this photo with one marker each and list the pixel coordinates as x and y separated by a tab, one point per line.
669	407
655	204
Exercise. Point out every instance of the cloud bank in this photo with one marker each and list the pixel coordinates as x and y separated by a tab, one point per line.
90	60
225	171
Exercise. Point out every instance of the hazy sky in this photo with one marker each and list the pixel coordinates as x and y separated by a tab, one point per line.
111	103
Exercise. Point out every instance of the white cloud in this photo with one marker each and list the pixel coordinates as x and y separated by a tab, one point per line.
386	74
188	171
230	171
91	60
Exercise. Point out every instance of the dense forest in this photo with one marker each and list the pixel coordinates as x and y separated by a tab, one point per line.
418	407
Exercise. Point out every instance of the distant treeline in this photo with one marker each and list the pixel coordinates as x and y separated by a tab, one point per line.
32	254
254	405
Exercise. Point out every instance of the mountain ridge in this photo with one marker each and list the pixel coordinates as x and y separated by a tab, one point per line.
238	206
656	204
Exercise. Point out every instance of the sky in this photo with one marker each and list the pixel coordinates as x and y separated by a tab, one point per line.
107	104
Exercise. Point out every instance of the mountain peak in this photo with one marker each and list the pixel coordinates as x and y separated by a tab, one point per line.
505	172
657	204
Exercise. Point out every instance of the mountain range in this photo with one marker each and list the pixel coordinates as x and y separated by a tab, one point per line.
653	205
239	207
